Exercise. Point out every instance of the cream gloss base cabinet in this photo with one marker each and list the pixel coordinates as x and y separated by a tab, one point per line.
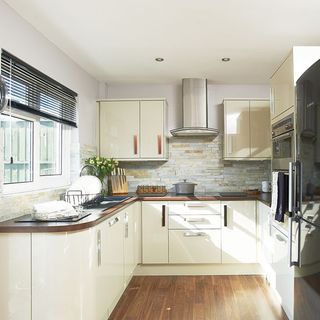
68	281
15	279
265	241
239	232
132	129
79	275
132	240
194	232
247	129
154	232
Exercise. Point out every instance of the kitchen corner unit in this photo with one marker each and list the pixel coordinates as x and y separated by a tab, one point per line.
132	129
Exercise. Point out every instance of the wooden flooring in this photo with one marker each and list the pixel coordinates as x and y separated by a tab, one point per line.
198	297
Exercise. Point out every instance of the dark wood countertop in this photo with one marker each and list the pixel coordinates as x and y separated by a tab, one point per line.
10	226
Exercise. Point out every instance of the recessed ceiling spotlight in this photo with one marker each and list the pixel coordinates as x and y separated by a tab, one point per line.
225	59
159	59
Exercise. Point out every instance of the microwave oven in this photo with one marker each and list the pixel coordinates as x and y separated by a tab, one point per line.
283	143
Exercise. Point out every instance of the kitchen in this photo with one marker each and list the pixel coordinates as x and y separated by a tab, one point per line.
200	160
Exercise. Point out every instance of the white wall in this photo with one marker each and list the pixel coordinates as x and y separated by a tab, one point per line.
173	94
19	38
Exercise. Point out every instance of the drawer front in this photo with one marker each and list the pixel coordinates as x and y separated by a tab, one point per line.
187	246
194	207
191	221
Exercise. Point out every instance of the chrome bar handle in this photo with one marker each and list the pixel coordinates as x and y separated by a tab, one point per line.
126	225
291	263
113	221
291	188
198	234
195	204
195	220
99	247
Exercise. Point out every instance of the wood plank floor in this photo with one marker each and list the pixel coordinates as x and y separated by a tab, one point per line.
198	297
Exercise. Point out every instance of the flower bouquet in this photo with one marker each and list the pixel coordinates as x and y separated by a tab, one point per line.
104	167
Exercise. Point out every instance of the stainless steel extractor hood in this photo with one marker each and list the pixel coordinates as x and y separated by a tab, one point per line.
194	110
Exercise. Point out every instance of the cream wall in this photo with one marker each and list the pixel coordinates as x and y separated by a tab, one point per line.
22	40
19	38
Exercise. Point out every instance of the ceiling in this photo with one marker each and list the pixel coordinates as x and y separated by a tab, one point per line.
116	41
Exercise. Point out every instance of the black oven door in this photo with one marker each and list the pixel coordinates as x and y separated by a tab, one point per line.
282	151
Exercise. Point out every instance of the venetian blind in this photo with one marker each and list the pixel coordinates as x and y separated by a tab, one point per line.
32	91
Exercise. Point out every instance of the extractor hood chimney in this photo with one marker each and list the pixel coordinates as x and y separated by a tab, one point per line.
194	110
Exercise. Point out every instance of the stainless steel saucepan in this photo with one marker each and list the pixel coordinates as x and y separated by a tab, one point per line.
185	187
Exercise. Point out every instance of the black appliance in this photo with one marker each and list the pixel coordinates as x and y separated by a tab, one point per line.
283	143
304	197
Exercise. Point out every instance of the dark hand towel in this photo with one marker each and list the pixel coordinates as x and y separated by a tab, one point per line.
282	205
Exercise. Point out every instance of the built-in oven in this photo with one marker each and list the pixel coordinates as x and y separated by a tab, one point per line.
283	143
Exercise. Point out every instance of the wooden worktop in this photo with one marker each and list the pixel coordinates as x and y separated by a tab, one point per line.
10	226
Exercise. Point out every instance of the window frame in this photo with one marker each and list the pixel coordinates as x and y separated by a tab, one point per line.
42	182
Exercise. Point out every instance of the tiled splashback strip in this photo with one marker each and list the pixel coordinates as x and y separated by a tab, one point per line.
198	160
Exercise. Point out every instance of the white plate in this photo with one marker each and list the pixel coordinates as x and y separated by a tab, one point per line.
85	185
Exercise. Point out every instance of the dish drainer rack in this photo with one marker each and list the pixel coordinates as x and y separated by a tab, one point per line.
76	198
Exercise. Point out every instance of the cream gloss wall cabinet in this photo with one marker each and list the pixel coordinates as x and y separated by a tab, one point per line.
132	129
282	88
194	232
283	81
247	129
239	232
154	232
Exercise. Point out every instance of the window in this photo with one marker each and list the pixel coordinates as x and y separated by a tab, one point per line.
36	128
17	135
50	147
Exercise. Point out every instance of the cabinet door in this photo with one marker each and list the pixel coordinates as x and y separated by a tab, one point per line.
119	129
152	129
64	269
282	88
284	274
129	243
154	232
239	236
260	136
113	258
15	276
236	129
195	246
265	241
137	232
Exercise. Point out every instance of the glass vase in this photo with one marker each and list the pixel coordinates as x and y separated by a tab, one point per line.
106	186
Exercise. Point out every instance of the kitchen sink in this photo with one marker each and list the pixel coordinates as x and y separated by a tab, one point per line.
104	202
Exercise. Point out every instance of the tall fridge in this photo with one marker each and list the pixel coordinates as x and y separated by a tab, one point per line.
304	197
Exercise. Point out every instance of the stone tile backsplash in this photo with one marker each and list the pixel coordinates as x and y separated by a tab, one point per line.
12	206
198	160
